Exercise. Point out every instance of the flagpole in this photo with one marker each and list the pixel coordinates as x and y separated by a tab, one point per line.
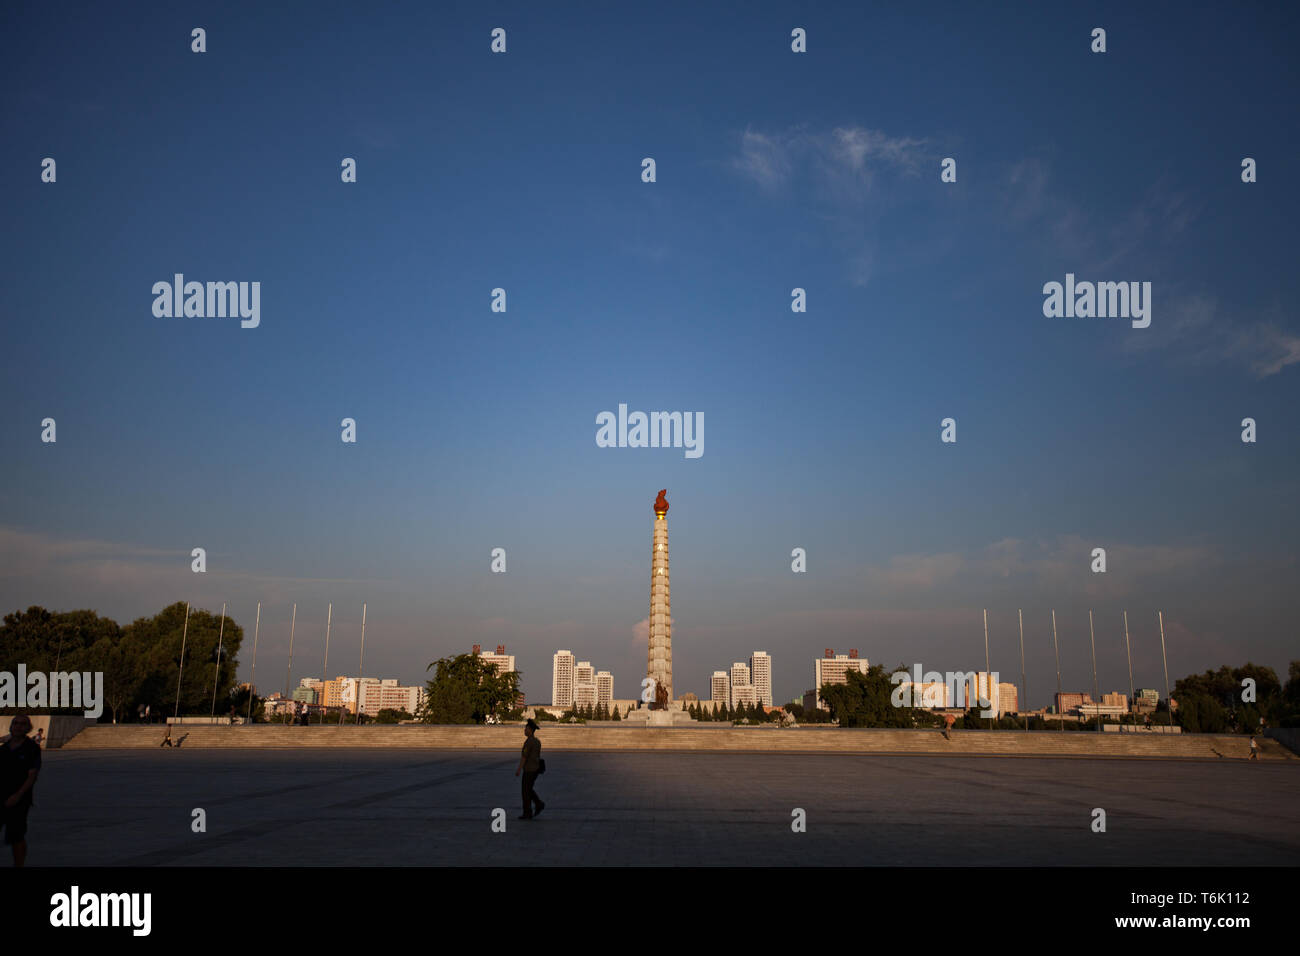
252	679
1168	703
361	667
184	634
988	676
1096	694
293	623
1132	704
1023	688
329	619
217	679
1059	715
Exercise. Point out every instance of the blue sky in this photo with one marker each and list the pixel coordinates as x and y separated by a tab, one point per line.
775	170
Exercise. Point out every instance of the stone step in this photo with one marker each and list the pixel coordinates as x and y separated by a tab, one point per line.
696	737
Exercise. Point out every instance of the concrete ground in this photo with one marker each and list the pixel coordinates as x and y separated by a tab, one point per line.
411	808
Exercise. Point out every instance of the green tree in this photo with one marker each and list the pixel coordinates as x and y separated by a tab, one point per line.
157	642
122	672
1213	702
390	715
51	641
465	690
863	700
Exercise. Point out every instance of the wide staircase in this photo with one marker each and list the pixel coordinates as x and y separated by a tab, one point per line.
704	738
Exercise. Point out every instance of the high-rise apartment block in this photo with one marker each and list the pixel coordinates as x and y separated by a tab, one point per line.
1069	702
760	671
562	679
720	687
833	668
504	662
604	688
376	695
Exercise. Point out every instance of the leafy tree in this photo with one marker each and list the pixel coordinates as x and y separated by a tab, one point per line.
863	700
122	673
157	642
465	690
390	715
1212	702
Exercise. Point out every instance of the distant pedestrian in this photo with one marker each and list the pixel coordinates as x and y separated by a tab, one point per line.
530	765
148	719
167	741
20	762
1254	748
40	737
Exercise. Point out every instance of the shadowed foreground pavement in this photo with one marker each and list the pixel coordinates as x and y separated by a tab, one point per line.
410	808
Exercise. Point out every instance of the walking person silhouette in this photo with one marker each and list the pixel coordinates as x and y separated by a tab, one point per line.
531	765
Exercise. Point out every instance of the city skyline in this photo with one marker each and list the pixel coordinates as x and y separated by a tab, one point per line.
479	429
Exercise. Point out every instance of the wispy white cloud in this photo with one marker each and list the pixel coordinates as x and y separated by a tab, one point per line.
1191	328
834	171
1196	331
841	161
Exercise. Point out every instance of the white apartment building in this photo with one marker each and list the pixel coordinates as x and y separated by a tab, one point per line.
584	684
833	669
760	669
720	687
584	695
739	679
604	688
505	662
562	679
377	695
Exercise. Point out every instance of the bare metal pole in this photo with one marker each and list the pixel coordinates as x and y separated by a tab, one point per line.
1096	694
220	634
1024	703
293	623
184	634
988	675
1061	716
1169	703
252	680
329	619
1129	652
361	667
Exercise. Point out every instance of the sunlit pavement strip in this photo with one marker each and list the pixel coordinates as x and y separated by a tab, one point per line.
410	808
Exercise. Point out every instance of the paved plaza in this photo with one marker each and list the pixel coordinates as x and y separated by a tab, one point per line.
420	807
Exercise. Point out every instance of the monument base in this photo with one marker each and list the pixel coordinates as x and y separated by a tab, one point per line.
660	718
